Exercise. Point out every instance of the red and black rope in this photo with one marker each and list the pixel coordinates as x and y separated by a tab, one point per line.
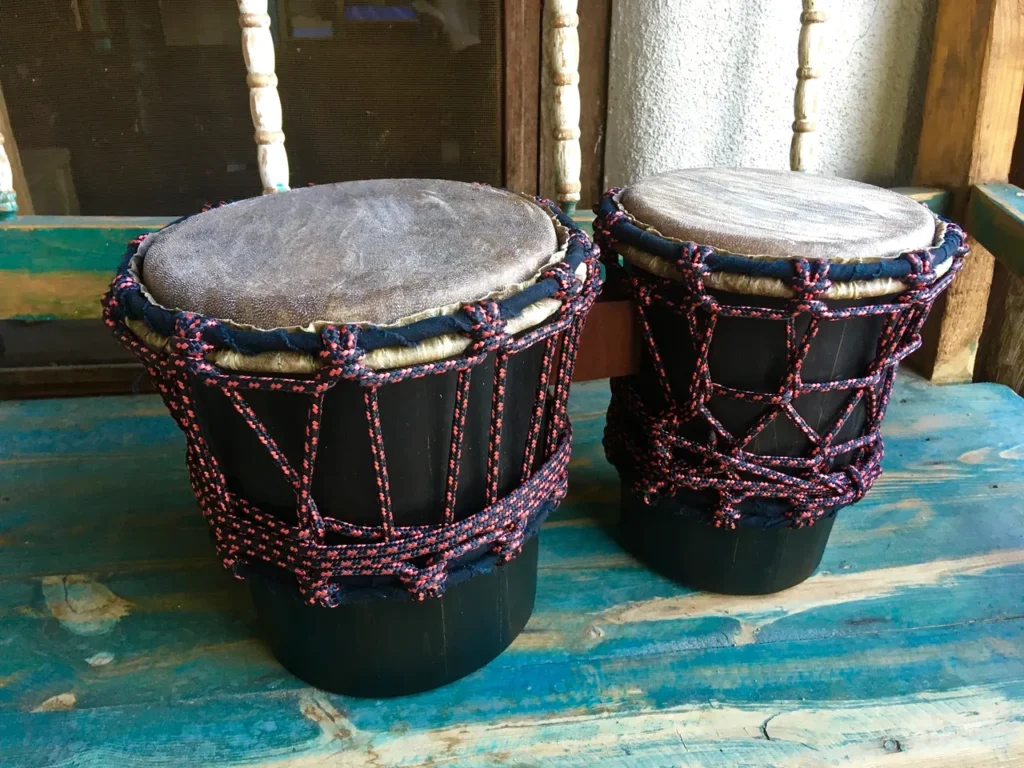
421	557
649	435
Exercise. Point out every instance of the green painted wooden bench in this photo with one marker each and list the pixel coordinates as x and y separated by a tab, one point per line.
124	643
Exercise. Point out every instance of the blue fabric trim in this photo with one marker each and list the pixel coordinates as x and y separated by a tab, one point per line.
626	232
252	342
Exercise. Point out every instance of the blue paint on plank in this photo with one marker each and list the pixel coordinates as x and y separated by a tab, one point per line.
97	486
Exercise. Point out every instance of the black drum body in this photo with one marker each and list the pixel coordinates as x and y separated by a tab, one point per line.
755	414
381	487
380	642
673	534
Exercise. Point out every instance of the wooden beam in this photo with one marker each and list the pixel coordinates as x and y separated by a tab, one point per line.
995	216
10	159
522	94
967	136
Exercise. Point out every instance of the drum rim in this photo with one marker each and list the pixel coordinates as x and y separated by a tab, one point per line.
645	247
427	336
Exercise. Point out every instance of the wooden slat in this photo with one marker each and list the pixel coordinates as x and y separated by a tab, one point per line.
59	266
995	218
522	94
610	343
939	201
125	642
967	136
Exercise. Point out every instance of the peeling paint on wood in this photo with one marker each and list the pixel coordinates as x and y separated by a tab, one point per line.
82	605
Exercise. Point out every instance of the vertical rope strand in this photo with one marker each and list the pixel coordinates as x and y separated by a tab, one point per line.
451	485
540	401
380	466
497	415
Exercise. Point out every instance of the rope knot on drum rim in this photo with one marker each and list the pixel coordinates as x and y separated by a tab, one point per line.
809	283
324	553
568	286
341	352
188	340
664	448
487	327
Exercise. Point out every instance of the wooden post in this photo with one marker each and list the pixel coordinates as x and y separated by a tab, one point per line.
522	56
967	136
264	101
8	198
562	97
803	151
14	195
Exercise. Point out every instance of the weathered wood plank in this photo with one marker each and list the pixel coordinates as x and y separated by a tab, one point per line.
126	642
967	136
80	244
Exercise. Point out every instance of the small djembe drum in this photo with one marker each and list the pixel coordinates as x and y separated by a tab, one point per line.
775	308
372	381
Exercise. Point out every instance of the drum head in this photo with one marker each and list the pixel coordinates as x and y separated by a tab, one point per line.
363	251
780	214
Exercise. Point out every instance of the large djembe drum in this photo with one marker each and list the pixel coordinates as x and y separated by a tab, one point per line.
775	308
372	381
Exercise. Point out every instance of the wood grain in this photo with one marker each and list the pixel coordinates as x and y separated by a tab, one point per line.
522	50
610	343
971	112
906	646
1001	358
811	54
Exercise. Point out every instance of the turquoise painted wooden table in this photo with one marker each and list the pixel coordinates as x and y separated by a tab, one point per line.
123	642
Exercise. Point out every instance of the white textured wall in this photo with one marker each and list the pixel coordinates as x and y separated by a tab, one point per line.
710	83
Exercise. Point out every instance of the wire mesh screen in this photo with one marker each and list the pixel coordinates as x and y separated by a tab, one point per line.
139	107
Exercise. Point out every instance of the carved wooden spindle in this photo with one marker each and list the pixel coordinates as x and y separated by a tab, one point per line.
563	55
264	101
804	149
8	200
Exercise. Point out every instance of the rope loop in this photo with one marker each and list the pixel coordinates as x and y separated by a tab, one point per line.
487	328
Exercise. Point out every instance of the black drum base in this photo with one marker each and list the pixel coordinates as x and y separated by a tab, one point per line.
680	545
382	648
